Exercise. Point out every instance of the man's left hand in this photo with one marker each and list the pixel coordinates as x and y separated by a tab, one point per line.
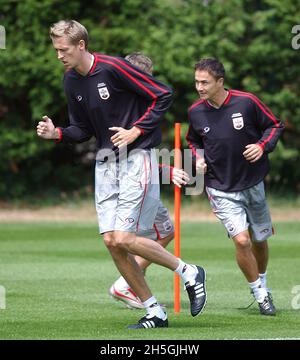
179	177
253	152
124	137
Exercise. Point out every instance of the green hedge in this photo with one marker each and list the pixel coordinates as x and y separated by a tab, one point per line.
252	38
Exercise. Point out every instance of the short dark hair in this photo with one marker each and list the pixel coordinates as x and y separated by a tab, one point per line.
140	60
213	66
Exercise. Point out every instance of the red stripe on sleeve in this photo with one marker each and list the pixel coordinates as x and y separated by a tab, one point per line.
198	102
146	113
191	146
138	73
265	110
259	104
268	138
129	76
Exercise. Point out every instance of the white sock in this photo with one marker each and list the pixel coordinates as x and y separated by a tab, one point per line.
258	291
186	271
153	308
121	283
263	279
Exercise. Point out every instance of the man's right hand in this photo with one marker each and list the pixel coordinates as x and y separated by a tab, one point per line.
46	129
201	166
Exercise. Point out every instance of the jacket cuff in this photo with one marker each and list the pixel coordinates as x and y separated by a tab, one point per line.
261	146
171	172
59	130
141	130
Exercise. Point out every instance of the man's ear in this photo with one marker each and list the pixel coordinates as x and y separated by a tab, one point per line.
81	44
220	82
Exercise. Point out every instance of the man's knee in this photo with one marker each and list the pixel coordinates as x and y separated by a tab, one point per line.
124	240
242	241
110	240
118	240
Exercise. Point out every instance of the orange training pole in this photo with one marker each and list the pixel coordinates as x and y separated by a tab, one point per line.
177	194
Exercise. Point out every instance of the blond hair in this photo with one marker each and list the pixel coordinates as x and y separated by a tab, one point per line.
72	29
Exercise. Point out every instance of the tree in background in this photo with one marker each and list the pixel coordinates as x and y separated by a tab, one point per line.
252	38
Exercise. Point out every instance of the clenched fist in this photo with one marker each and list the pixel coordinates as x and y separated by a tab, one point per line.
46	129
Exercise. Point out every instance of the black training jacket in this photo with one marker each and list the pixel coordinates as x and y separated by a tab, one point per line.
223	133
114	93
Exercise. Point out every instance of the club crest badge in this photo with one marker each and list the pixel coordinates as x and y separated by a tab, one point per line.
103	91
238	121
167	225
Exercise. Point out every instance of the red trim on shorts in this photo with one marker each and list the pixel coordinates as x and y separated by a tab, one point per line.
157	232
145	192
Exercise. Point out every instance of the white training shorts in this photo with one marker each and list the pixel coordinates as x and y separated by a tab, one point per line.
127	192
243	210
162	226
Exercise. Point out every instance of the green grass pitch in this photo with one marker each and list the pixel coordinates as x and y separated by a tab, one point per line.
57	277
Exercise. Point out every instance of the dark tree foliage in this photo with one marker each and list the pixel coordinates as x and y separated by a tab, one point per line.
252	38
